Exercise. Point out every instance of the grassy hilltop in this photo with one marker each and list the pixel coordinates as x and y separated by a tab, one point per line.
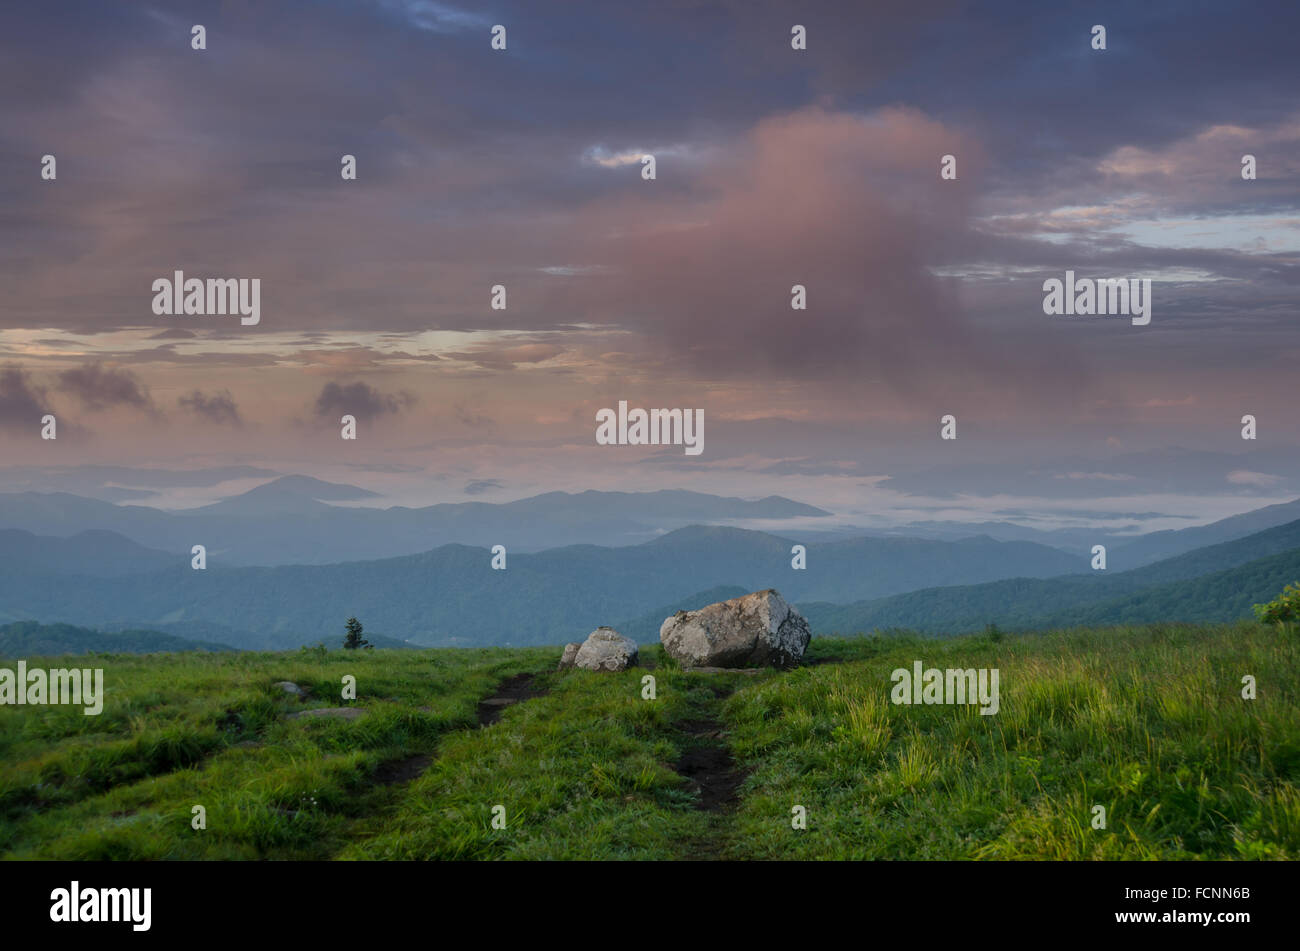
1148	722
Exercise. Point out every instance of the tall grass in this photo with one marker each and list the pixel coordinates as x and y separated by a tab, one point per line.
1147	722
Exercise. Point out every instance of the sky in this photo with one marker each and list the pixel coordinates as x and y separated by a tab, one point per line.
522	167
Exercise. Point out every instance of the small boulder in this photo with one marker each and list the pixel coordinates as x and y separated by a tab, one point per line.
292	689
569	656
606	649
758	630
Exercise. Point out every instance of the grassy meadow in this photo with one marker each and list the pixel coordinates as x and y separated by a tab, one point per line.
1147	722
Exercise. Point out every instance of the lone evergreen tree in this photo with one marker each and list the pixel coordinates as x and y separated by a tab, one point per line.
354	638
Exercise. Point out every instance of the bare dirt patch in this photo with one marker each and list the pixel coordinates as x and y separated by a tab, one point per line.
398	771
708	767
512	690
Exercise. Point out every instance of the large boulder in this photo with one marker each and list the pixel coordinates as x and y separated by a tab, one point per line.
606	649
758	630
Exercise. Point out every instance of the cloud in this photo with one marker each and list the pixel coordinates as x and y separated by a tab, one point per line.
505	358
435	17
1103	476
218	408
848	205
1259	479
352	359
360	400
479	486
100	388
1188	400
922	292
22	402
1201	171
467	417
599	155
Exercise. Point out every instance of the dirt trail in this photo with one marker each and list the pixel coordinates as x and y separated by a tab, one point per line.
707	765
510	691
397	771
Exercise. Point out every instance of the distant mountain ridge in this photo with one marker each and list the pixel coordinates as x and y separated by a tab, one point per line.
285	521
1148	548
288	494
32	639
94	552
1216	583
451	595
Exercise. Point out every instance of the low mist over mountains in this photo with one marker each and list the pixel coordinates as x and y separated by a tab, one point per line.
288	521
1157	545
76	561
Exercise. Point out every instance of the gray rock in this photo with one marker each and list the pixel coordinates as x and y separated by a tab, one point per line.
758	630
569	656
606	649
337	713
291	688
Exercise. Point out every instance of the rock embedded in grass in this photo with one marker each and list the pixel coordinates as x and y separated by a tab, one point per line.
605	649
337	713
758	630
569	656
291	688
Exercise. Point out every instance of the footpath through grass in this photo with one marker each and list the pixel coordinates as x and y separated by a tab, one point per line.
584	772
180	730
1147	722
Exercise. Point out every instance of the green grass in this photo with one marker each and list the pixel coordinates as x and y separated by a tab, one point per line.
185	730
583	773
1146	721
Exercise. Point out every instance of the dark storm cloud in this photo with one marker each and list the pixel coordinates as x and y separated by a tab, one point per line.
22	401
358	399
219	407
468	417
98	387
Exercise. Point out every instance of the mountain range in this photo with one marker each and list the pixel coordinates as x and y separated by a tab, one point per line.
1216	583
450	594
290	521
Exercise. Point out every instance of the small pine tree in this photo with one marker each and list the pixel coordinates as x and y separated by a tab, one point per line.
354	638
